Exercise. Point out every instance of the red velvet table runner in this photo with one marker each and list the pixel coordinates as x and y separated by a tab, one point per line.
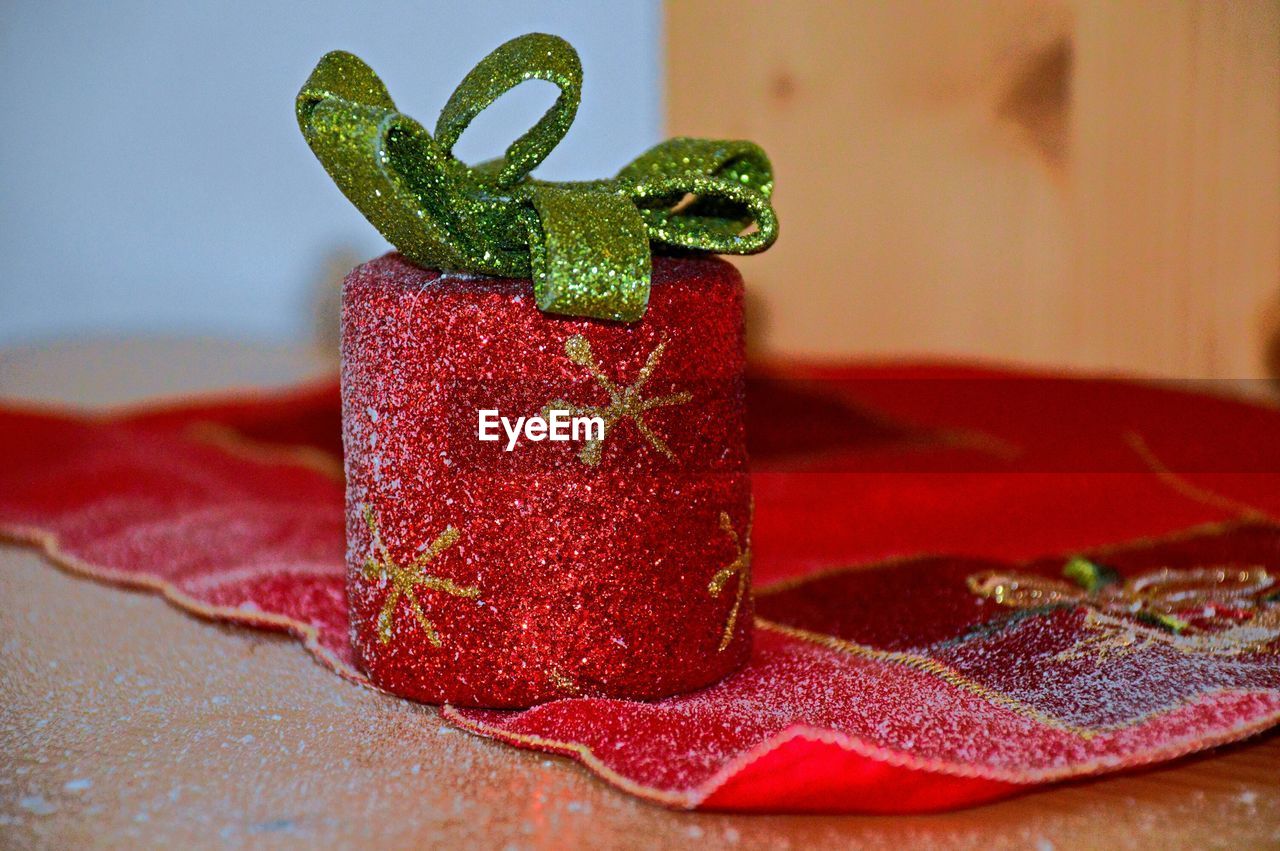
969	582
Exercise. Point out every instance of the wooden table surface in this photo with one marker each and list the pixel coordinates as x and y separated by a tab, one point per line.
125	722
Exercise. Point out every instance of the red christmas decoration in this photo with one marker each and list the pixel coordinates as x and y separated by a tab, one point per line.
505	573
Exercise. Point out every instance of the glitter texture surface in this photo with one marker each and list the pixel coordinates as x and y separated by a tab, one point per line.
586	245
556	569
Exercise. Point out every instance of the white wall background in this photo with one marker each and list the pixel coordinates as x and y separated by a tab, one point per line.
153	179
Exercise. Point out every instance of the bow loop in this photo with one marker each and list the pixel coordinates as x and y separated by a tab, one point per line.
346	77
586	245
530	57
739	161
381	159
702	194
715	215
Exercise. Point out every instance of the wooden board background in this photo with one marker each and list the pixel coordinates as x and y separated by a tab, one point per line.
1084	184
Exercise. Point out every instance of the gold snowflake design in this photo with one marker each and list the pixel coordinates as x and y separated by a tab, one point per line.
407	580
1217	611
739	567
625	403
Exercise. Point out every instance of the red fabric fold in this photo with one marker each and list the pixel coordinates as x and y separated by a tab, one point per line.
901	512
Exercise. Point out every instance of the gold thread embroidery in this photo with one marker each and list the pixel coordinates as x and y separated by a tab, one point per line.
625	403
234	443
941	671
1213	528
1216	611
739	567
405	581
933	668
1191	491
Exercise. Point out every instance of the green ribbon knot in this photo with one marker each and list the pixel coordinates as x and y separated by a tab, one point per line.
586	245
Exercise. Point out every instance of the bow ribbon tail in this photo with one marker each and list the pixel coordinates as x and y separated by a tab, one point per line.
589	252
382	160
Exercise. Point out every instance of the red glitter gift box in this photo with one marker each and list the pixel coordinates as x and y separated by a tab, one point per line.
503	573
488	576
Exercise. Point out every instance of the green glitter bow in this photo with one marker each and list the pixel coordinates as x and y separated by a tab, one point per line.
585	244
